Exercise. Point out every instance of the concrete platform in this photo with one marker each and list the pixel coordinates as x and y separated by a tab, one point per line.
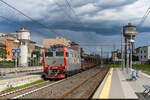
17	75
17	80
118	85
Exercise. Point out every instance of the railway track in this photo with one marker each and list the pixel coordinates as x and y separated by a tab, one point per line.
75	91
23	90
76	87
81	85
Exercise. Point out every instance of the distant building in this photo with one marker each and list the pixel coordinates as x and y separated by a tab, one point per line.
75	46
31	47
81	52
38	48
50	42
7	42
143	53
116	55
9	47
2	34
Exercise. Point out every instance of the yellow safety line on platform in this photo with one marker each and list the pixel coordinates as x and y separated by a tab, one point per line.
106	88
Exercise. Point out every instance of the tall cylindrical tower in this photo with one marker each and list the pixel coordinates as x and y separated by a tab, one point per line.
129	32
23	36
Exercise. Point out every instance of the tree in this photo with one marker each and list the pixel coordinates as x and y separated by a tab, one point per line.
35	60
3	52
135	58
37	53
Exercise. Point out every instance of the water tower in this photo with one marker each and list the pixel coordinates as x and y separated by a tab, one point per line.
129	32
23	36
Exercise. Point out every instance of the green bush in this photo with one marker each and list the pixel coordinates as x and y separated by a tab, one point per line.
142	67
6	64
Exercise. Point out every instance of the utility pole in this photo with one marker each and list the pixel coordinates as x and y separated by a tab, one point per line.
101	56
127	56
115	57
122	54
131	49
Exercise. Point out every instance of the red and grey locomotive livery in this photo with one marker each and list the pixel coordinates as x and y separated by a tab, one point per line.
60	62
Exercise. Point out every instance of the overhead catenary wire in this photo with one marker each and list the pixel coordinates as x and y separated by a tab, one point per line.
73	11
70	6
5	18
71	19
66	13
144	17
109	44
35	21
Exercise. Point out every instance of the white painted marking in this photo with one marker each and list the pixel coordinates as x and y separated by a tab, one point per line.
145	74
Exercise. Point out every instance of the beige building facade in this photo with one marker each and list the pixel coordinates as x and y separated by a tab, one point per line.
50	42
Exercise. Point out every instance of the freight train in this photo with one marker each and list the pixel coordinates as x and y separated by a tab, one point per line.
63	62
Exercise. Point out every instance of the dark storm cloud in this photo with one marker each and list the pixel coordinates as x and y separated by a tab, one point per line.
73	24
96	20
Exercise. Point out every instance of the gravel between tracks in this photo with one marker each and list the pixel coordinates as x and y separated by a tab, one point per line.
88	88
56	90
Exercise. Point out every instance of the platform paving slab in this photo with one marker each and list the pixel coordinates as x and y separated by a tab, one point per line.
122	87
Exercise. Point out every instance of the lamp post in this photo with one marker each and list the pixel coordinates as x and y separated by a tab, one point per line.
16	56
122	52
131	41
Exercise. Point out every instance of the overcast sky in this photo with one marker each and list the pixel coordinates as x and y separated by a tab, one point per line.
90	21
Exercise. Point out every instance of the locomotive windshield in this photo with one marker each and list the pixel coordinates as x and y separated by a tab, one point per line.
55	58
59	53
48	54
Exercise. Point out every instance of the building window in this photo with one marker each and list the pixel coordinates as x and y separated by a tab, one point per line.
48	54
145	57
67	54
141	57
144	51
8	44
14	45
23	43
141	51
8	53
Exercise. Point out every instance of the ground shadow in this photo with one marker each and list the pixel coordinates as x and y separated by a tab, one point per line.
35	73
129	80
142	96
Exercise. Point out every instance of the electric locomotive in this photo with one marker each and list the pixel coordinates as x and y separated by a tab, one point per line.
60	62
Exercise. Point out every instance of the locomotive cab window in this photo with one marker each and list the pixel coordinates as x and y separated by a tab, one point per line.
59	53
67	54
48	54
